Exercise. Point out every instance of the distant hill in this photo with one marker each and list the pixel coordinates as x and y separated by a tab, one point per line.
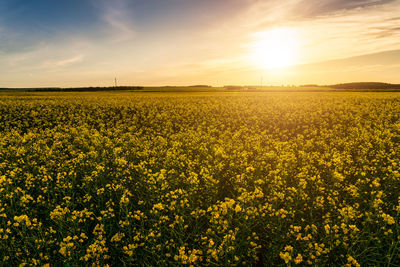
365	85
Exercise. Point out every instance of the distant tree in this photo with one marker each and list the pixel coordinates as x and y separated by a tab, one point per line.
365	85
233	87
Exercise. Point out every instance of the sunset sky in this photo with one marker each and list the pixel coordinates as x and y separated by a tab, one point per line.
183	42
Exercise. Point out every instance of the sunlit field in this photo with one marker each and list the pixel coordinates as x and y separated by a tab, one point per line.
209	179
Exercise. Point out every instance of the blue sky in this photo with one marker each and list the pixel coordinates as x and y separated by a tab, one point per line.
88	42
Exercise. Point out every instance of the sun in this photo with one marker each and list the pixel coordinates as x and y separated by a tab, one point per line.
274	49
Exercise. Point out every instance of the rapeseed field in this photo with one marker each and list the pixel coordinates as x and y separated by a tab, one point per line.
223	179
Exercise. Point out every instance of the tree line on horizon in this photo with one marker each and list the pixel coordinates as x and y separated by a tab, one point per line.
353	85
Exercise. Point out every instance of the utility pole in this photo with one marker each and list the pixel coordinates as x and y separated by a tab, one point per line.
115	81
262	81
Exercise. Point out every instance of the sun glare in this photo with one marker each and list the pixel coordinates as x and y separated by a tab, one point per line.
275	48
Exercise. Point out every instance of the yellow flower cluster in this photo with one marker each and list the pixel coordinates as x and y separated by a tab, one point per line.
205	179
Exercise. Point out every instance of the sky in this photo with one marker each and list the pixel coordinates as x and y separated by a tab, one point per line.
69	43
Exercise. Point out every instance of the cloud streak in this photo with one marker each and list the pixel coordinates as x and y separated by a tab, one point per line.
69	61
117	17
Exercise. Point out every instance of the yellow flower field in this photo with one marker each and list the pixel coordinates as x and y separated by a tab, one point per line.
232	179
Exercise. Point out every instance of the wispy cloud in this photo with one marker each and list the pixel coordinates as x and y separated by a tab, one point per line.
118	19
333	28
266	11
322	8
69	61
